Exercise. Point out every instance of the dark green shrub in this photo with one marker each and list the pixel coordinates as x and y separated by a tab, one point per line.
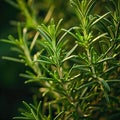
76	81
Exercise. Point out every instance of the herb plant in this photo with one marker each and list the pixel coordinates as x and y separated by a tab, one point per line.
76	81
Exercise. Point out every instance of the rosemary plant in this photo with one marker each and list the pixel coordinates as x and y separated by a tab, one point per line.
78	81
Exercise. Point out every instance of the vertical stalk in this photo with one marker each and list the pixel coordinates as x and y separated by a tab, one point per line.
90	62
26	51
59	69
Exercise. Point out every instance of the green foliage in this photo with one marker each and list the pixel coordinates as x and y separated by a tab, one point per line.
35	113
78	80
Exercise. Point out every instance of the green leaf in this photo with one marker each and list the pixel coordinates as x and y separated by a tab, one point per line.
69	57
97	38
47	47
58	25
82	67
86	85
26	105
43	33
34	40
50	112
104	84
8	41
34	115
58	116
101	17
21	118
73	77
89	7
69	31
113	80
12	59
12	3
45	60
105	59
37	80
69	53
38	110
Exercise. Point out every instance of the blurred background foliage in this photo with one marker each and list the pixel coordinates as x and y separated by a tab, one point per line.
12	88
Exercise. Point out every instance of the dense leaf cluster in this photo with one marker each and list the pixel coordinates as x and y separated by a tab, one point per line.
78	80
